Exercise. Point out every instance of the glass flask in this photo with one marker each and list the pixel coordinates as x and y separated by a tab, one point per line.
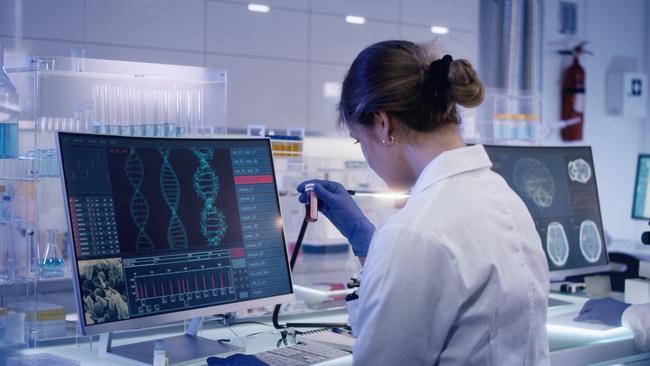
51	263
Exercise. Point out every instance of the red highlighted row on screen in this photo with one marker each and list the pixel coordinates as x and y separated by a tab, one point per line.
253	179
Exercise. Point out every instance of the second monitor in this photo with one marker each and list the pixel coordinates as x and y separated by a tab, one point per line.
558	185
641	202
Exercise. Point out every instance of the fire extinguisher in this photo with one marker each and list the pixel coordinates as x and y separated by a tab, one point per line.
573	95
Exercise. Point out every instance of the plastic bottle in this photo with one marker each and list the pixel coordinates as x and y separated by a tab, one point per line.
8	114
159	354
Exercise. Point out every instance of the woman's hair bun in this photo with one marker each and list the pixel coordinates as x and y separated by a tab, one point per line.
410	83
465	88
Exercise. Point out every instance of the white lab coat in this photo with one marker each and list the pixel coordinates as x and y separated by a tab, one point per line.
456	277
637	319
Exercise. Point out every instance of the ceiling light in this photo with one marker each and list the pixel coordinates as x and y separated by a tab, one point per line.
352	19
439	30
259	8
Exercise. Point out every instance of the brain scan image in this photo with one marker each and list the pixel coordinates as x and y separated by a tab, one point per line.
557	245
535	181
590	241
579	171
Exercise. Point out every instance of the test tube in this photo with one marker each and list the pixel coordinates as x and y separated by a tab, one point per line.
311	212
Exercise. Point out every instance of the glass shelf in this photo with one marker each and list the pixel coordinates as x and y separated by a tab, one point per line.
86	96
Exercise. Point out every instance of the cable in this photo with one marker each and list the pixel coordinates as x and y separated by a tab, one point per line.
292	262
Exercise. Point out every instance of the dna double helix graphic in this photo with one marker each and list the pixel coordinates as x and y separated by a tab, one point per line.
206	185
139	207
171	191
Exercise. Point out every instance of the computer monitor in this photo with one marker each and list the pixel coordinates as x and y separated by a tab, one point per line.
558	185
168	229
641	201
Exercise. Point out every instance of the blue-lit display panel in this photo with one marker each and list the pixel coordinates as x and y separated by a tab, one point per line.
162	226
641	202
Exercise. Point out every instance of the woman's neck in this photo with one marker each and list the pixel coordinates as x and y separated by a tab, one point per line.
426	147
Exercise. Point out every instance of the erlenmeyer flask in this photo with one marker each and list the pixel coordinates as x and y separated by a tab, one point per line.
51	263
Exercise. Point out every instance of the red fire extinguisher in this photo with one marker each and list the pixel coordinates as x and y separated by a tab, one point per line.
573	95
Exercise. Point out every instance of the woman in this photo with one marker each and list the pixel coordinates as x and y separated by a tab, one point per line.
458	275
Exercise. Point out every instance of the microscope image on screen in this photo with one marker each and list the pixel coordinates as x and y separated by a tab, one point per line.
103	290
180	187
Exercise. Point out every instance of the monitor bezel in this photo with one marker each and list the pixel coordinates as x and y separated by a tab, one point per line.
158	319
636	184
560	274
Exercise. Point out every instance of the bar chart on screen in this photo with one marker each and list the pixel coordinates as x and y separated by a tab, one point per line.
163	283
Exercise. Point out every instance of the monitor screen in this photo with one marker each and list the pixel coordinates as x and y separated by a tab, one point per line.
641	202
558	185
167	229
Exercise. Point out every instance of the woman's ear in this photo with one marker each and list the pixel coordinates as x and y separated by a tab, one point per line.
383	127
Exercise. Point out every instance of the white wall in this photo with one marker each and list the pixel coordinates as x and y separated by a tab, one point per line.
613	28
277	62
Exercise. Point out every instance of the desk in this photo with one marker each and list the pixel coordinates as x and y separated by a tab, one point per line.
567	347
580	346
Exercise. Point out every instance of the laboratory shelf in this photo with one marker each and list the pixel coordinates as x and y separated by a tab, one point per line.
85	96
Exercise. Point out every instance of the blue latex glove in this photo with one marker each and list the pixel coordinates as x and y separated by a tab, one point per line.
607	311
338	206
238	359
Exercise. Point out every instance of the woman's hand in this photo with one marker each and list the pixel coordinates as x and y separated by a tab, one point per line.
607	311
337	205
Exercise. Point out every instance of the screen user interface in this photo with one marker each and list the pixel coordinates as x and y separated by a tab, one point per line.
641	205
558	186
165	225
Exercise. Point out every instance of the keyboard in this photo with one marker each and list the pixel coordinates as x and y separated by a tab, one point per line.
300	355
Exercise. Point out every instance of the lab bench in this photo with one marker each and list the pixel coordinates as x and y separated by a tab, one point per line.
568	345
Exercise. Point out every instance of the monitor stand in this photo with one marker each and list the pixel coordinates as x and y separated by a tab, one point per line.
182	348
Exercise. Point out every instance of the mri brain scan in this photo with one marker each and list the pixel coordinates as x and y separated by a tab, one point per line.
535	181
579	171
590	241
557	245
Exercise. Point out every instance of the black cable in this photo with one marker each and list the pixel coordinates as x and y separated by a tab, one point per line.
292	262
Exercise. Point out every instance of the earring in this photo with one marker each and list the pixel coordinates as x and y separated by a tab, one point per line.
390	142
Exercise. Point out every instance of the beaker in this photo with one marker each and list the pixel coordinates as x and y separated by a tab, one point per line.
51	263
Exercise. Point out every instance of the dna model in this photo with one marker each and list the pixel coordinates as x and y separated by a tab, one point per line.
139	207
206	184
171	191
